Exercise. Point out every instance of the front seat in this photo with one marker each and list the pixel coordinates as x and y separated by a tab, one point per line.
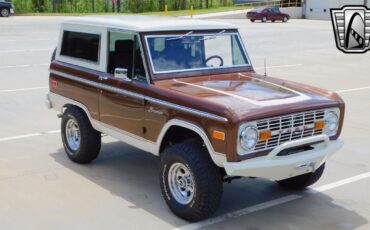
123	55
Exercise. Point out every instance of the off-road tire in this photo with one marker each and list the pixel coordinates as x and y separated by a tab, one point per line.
4	12
90	139
264	19
207	180
303	181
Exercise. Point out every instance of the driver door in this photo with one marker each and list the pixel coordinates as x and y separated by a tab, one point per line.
122	100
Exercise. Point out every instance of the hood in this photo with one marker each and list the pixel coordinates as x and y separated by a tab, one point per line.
248	95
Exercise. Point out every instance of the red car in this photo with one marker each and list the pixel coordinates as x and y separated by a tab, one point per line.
268	13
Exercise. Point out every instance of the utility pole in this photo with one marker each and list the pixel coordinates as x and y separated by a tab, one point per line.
93	5
304	7
54	6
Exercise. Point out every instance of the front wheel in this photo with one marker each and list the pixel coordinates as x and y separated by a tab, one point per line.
264	19
303	181
252	20
190	182
4	12
285	19
81	142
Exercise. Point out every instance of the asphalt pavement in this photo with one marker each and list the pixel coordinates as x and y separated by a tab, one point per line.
41	189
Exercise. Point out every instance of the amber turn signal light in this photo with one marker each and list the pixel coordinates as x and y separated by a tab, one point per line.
218	135
265	135
319	124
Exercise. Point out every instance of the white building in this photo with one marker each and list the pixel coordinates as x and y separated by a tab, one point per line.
320	9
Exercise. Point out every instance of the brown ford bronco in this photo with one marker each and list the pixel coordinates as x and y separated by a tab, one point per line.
186	91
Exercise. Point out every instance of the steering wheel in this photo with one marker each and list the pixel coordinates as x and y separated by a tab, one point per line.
217	57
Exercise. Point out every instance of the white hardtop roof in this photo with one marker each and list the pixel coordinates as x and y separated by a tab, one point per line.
142	23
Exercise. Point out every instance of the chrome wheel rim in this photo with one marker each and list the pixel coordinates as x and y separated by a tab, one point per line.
4	13
181	183
73	135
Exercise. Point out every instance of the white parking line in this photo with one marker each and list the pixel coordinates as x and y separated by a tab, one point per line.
238	213
23	66
25	50
336	184
28	135
26	40
352	90
270	204
22	89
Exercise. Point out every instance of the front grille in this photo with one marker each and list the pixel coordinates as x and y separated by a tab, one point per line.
289	127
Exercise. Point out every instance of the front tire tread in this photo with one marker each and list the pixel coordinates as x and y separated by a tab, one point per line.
90	138
207	178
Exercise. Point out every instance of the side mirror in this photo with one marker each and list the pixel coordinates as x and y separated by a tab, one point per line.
121	73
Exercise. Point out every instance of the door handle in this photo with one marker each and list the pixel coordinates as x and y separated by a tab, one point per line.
103	78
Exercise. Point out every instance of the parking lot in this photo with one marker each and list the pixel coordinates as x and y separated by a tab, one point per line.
40	188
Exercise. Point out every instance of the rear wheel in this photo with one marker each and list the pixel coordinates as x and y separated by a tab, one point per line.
252	20
302	181
81	142
190	182
4	12
272	20
285	19
264	19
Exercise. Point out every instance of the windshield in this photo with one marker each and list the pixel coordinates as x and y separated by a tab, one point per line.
188	52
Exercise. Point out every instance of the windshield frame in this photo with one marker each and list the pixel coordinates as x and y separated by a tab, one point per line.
188	72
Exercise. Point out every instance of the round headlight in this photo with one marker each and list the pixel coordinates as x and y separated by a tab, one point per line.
331	123
248	138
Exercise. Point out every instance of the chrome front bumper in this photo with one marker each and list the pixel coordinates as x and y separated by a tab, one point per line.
282	167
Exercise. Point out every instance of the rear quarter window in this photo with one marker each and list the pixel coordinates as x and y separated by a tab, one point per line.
79	45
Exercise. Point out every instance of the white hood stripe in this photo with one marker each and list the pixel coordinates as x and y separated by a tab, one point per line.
300	97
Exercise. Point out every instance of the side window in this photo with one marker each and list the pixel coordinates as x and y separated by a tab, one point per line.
238	56
81	45
124	52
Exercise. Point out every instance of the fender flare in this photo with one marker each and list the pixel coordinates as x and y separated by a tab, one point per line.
217	158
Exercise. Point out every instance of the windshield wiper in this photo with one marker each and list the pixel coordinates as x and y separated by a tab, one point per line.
213	36
180	37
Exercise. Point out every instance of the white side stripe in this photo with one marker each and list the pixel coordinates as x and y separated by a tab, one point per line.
136	95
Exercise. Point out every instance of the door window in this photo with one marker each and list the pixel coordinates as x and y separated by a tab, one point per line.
124	52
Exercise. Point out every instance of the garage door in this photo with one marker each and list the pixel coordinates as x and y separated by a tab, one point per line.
318	9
